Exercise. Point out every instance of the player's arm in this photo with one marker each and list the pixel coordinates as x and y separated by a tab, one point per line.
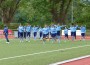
69	28
79	27
62	26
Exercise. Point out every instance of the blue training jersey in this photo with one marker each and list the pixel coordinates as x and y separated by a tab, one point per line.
21	29
73	29
48	29
58	28
53	30
83	29
35	29
28	29
40	29
45	30
65	31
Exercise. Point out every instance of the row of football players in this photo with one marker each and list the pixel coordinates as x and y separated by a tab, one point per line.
52	31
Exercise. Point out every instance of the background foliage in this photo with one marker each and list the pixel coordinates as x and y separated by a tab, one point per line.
40	12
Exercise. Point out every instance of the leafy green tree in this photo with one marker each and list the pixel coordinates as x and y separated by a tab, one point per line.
57	8
8	9
82	12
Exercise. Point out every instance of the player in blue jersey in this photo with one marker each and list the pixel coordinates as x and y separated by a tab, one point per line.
73	30
44	31
53	32
40	33
66	34
58	28
83	31
35	30
28	32
21	30
6	33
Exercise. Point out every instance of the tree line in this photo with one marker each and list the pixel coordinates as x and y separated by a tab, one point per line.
53	11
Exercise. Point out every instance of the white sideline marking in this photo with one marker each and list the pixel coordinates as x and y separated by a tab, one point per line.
43	52
70	60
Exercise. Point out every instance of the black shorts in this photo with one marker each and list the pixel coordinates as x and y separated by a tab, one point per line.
53	35
20	34
40	34
35	34
28	34
44	35
82	34
24	34
66	35
73	33
58	33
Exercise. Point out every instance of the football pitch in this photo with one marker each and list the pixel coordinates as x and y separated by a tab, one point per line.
37	53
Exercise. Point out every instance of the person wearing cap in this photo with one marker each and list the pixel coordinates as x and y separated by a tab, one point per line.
6	33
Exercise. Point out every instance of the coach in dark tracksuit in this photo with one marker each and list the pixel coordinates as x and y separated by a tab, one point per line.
6	33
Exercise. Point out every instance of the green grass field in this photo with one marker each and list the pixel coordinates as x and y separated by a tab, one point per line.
15	48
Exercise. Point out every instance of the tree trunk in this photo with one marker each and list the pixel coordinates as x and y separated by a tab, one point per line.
6	17
61	13
64	11
60	16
